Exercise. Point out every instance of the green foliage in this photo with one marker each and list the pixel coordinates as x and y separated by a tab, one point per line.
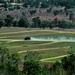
32	67
25	4
3	59
1	23
32	12
32	55
46	70
3	55
2	1
44	24
51	25
8	21
31	63
23	22
31	3
69	64
49	10
36	22
8	62
47	3
23	13
12	64
65	67
64	24
71	16
44	5
56	12
15	23
5	5
17	7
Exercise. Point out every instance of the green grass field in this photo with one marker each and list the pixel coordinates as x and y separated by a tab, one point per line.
51	51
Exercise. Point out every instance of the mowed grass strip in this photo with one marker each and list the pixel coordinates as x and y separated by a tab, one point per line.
30	42
48	52
27	33
18	29
40	50
34	34
30	47
11	29
8	32
27	43
41	46
53	59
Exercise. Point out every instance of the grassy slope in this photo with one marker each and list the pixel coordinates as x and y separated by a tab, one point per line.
46	48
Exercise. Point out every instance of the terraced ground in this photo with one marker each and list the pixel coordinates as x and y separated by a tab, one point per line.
51	51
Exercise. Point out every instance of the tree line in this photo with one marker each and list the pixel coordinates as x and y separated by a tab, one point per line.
36	22
43	3
48	3
9	64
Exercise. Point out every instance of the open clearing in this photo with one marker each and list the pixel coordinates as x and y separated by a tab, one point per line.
13	39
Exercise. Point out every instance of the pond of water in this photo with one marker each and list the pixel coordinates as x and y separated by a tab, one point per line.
59	38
